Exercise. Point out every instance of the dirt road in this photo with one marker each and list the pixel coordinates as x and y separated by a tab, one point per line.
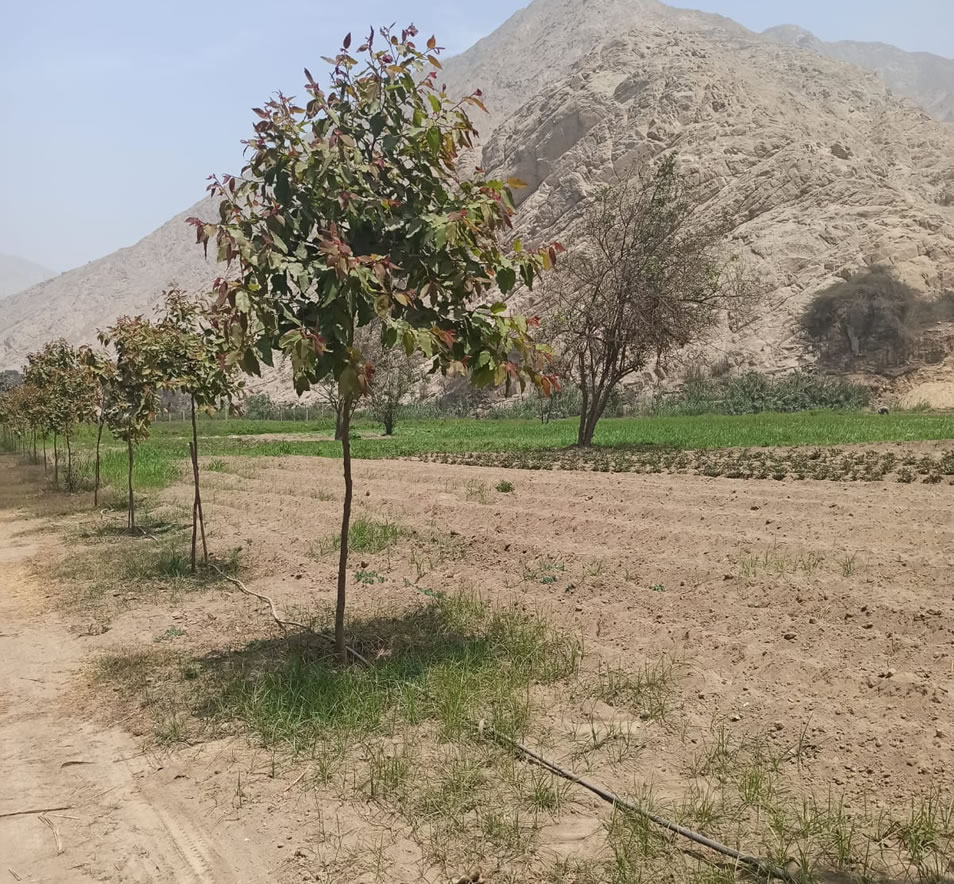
112	812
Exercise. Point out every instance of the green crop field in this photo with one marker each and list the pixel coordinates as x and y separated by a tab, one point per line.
163	456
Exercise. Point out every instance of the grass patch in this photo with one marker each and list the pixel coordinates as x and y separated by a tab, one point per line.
154	467
116	569
364	536
451	662
700	432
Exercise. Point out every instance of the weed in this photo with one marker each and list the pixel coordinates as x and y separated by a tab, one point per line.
848	564
364	536
504	487
649	692
368	577
171	633
476	491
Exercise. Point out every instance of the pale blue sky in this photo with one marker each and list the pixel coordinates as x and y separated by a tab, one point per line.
114	111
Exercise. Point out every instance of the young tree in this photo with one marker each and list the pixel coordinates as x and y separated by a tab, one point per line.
103	371
193	362
67	395
395	375
15	413
649	277
134	387
350	210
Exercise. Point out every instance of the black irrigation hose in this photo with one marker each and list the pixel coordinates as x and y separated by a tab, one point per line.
760	865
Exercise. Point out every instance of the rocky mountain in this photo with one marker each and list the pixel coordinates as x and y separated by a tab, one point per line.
824	169
927	79
17	274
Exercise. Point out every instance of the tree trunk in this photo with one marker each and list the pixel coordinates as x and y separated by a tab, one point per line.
69	464
44	454
131	515
56	462
99	439
593	406
339	411
388	424
35	457
198	520
340	646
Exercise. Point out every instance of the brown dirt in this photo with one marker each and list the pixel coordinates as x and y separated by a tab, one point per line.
123	815
819	612
752	590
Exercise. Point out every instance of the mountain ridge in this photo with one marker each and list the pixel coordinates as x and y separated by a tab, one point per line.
17	274
534	61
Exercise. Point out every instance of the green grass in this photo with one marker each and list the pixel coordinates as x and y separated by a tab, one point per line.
364	536
462	435
245	427
154	466
163	458
453	661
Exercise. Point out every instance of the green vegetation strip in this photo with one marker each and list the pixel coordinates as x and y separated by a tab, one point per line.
159	461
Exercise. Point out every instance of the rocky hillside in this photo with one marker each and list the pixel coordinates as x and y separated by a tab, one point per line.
927	79
17	274
823	168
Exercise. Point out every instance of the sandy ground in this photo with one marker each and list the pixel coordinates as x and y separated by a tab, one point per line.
113	812
817	605
812	611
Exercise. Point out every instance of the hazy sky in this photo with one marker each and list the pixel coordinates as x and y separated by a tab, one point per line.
113	112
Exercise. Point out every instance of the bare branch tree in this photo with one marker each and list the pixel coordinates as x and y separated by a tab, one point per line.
649	277
395	375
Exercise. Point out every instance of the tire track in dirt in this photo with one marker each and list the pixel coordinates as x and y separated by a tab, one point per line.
119	825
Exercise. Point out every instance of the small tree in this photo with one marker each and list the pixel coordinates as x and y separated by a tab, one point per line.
648	278
193	362
395	375
351	210
16	413
133	389
103	371
67	395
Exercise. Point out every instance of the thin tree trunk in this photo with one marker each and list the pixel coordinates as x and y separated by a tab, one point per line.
131	516
44	455
195	505
35	458
339	411
198	520
69	464
56	462
99	439
340	646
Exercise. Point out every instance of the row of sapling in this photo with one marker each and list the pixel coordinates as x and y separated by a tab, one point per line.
179	352
63	399
357	248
